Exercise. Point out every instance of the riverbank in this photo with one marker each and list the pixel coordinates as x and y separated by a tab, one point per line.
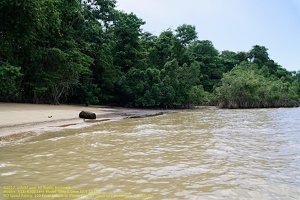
19	121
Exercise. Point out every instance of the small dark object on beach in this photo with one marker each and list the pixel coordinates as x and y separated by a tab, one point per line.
87	115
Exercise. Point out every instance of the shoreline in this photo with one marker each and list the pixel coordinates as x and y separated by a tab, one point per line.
19	121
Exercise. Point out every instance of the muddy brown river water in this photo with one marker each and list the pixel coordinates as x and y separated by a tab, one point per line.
196	154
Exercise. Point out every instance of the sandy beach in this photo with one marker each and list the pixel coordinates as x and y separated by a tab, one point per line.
22	120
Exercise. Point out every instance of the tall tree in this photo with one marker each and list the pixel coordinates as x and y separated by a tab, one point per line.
99	84
186	34
259	55
127	31
205	53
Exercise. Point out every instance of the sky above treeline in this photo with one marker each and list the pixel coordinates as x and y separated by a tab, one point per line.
235	25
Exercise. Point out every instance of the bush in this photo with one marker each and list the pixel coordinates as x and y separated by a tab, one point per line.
244	87
9	76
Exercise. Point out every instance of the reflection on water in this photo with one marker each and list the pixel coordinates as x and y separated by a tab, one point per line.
198	154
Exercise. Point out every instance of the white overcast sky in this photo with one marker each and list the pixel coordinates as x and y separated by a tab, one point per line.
234	25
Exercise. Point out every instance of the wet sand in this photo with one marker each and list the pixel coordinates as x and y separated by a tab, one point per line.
22	120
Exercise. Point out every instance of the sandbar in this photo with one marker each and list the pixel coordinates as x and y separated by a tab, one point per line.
19	120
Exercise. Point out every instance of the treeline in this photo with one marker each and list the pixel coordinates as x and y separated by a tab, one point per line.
58	51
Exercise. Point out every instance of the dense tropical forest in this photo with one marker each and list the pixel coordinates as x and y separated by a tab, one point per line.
88	52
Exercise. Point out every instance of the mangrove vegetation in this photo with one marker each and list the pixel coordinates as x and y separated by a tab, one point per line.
88	52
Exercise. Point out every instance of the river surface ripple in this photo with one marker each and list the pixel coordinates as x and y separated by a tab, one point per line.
197	154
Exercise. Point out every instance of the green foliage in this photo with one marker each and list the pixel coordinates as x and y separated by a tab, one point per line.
205	53
186	34
296	82
172	86
244	87
85	92
198	96
259	55
55	51
126	30
9	76
60	73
